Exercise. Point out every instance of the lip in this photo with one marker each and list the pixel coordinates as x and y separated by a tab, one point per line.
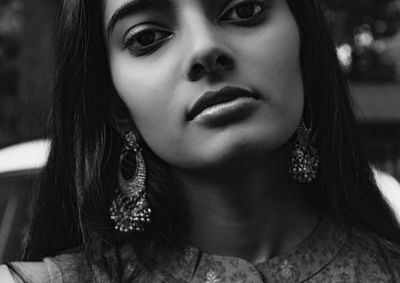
228	100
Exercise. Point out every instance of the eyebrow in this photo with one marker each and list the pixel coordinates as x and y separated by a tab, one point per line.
129	8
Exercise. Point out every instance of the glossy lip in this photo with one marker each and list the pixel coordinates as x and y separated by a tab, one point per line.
225	100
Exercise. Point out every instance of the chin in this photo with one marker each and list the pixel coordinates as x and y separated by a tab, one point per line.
235	149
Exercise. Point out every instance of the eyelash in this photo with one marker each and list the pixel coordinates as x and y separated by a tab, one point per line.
232	9
132	36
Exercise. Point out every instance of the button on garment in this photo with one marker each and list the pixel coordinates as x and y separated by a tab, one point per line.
296	265
332	253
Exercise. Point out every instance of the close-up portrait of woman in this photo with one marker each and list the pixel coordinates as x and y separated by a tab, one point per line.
204	141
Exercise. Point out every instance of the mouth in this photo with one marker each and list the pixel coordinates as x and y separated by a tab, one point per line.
214	101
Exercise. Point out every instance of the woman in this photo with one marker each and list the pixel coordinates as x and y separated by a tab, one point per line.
199	141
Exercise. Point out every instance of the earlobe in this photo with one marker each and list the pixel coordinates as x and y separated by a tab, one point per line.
121	118
124	125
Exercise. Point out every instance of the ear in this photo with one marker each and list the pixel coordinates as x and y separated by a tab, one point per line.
124	125
122	119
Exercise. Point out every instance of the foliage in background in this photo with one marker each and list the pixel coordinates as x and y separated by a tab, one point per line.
368	37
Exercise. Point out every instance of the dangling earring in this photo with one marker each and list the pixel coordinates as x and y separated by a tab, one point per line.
130	210
305	159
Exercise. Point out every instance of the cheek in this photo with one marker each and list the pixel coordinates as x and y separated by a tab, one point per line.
267	60
147	89
141	86
273	63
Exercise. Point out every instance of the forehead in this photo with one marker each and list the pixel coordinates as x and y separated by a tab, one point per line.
113	5
115	10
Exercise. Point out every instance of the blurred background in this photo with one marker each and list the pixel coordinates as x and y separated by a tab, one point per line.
366	32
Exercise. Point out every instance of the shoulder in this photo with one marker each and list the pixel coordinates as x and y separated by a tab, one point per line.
372	256
19	271
391	253
5	275
73	266
47	270
369	243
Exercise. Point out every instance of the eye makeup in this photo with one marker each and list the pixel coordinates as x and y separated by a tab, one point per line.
146	37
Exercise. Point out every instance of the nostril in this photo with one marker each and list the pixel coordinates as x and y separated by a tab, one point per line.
208	62
196	71
224	61
197	68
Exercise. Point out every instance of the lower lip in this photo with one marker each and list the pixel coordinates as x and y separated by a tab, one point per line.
228	111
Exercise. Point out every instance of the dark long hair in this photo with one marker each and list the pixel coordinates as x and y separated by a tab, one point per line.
79	180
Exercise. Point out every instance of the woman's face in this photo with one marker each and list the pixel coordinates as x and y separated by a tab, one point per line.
207	82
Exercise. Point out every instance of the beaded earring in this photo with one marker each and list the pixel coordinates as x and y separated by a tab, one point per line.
305	160
130	210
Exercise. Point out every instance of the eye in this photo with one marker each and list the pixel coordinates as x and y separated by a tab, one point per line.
145	39
242	12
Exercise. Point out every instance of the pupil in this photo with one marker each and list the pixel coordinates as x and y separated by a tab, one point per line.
146	38
245	11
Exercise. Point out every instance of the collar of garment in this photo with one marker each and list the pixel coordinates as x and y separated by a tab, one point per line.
295	265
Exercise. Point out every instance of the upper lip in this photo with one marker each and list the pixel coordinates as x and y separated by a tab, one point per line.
211	98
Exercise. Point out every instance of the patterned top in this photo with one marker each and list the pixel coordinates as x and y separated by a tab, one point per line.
330	254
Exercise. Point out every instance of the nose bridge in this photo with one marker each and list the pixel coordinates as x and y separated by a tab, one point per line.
198	30
205	49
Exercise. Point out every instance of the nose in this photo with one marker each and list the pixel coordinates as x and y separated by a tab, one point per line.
209	60
207	54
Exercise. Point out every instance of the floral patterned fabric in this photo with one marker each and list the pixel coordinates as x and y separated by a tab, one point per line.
331	253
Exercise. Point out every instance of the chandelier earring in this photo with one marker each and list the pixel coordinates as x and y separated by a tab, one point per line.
130	210
305	160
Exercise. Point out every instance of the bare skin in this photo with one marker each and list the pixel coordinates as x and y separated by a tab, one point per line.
250	211
234	177
240	199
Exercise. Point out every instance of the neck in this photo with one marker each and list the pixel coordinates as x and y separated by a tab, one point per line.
252	211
